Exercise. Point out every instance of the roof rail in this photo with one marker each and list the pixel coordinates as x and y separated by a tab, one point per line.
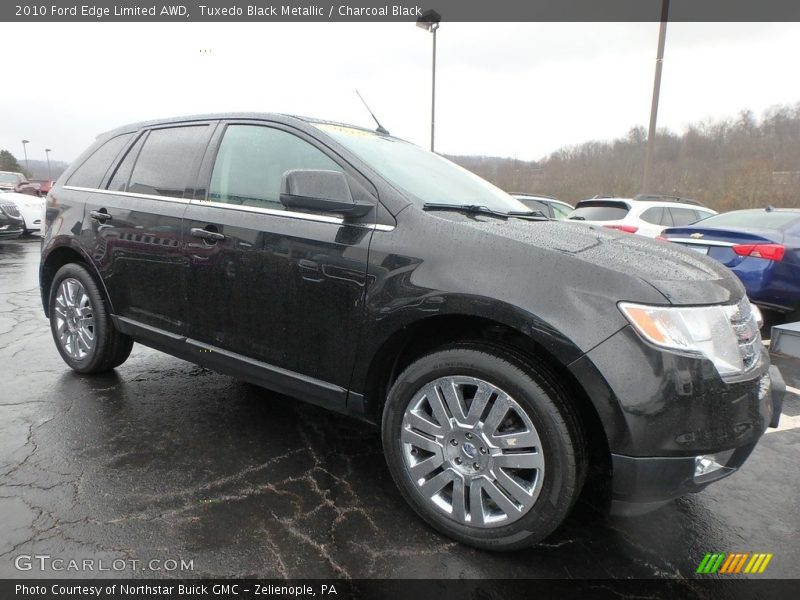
666	198
601	196
533	194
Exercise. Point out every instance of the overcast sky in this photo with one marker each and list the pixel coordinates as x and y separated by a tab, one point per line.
522	89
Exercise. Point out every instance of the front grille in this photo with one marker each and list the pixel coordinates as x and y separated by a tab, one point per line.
745	328
10	210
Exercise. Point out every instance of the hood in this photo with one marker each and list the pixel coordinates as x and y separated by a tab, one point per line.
21	199
680	275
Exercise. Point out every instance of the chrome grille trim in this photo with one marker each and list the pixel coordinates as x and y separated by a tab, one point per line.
11	210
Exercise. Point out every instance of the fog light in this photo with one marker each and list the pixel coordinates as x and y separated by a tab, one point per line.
703	465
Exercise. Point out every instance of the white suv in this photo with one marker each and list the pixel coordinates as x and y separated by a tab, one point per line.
646	214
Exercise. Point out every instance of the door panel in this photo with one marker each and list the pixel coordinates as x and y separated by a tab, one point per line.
282	288
133	225
137	251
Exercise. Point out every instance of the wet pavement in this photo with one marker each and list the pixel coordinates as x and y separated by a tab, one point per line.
162	460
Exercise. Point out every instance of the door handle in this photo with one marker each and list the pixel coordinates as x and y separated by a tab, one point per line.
309	265
100	215
205	234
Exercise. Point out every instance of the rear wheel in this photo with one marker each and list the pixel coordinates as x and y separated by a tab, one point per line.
484	447
81	325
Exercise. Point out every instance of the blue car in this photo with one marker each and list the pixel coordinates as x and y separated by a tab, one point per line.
761	246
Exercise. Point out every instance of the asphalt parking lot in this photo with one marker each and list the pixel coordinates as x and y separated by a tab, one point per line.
165	461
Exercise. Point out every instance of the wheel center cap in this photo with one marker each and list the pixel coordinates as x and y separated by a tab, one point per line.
469	450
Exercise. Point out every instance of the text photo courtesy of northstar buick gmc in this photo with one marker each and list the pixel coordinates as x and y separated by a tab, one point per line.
503	355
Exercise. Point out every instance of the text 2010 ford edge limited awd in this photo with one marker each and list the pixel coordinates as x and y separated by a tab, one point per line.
502	354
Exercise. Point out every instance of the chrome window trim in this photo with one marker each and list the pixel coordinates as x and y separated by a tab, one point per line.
251	209
129	194
269	211
700	242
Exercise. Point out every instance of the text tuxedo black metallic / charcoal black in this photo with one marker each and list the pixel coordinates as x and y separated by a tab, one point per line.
503	355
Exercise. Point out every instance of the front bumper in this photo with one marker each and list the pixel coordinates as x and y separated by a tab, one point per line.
643	484
10	233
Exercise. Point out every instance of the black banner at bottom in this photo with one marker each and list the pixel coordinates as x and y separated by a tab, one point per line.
406	589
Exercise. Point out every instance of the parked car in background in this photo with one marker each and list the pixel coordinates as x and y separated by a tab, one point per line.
645	214
550	207
35	187
10	181
30	208
761	246
11	226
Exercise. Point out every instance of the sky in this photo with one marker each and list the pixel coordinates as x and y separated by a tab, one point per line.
519	90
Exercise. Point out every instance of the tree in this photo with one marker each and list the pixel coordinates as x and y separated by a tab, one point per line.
8	162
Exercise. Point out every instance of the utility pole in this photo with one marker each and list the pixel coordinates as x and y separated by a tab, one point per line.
651	134
47	153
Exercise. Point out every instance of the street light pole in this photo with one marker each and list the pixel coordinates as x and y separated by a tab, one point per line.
47	154
25	152
433	85
651	133
429	20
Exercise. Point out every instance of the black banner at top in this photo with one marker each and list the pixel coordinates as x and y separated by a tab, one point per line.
395	10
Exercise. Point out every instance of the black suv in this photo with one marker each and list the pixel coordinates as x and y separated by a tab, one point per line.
503	355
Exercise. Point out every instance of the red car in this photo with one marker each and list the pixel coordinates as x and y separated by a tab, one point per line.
35	187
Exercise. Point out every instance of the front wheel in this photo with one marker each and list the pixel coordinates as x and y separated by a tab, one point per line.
81	325
484	446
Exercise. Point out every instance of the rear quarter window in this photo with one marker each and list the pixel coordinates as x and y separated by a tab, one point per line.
90	174
683	216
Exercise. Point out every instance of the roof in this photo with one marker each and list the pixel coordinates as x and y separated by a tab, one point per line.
648	199
258	116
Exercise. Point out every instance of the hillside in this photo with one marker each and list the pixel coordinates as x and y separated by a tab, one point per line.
726	164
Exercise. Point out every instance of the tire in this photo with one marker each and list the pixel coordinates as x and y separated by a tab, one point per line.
494	385
81	324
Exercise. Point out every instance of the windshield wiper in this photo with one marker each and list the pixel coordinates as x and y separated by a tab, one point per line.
479	209
577	218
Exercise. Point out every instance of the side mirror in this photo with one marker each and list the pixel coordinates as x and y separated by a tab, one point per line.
322	191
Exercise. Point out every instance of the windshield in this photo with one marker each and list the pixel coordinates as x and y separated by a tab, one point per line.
750	219
9	178
427	177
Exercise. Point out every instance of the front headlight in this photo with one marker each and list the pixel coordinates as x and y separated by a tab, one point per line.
726	335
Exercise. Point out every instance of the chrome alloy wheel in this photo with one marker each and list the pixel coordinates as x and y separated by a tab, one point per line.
472	452
74	319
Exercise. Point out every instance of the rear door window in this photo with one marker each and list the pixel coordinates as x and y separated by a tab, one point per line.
655	215
168	160
600	210
90	174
